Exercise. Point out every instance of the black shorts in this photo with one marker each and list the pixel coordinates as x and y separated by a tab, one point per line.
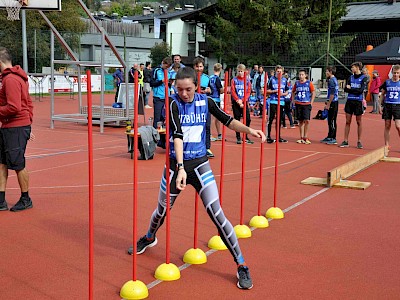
13	145
354	107
303	112
391	111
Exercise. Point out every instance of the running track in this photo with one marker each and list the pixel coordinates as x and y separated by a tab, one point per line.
332	244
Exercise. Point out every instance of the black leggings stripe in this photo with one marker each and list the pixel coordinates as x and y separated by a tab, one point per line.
200	176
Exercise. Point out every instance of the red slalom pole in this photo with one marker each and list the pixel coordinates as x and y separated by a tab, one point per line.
135	289
260	185
90	160
167	271
216	242
135	169
260	221
275	212
196	197
241	230
221	182
195	256
278	131
167	165
243	149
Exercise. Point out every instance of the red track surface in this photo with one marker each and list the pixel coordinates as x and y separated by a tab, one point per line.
341	244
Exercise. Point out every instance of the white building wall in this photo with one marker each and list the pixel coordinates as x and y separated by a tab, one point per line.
179	31
146	30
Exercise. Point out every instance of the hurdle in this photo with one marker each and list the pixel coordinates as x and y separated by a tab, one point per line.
337	177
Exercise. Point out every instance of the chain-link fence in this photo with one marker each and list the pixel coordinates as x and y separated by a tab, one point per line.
310	49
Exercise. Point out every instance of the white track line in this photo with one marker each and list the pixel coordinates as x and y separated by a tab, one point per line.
146	182
211	251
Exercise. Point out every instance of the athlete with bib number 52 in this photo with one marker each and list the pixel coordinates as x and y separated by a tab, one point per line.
391	102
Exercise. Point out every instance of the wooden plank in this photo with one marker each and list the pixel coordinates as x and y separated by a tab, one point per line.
354	166
391	159
314	181
357	185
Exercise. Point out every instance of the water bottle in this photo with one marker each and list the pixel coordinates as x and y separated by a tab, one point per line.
151	121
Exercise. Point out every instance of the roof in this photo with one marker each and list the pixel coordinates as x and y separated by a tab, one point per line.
166	16
379	10
385	54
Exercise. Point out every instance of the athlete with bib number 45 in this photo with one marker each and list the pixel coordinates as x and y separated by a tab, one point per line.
391	102
189	165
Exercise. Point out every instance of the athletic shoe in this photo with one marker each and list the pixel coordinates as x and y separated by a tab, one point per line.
210	154
22	204
270	141
359	145
244	281
292	126
147	106
307	141
332	142
3	205
344	144
284	126
281	140
248	141
300	141
239	141
142	244
215	139
325	140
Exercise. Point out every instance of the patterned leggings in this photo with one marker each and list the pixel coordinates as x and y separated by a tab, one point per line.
200	176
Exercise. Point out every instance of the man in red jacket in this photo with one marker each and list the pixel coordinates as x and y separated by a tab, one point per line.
16	113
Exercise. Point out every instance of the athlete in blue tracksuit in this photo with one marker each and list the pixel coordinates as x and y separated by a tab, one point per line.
391	104
355	87
189	164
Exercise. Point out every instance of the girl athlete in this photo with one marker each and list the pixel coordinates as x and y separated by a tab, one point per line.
189	165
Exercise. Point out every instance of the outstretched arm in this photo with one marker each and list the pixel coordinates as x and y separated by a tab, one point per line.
240	127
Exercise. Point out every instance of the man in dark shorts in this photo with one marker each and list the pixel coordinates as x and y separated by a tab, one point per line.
16	113
303	95
355	87
391	103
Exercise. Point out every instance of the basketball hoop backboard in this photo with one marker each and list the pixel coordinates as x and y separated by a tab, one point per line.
37	4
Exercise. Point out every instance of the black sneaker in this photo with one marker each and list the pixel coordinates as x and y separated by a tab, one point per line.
22	204
359	145
281	140
244	281
270	141
248	141
3	205
210	154
239	141
142	244
344	144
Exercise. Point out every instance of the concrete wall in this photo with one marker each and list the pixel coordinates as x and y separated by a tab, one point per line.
137	49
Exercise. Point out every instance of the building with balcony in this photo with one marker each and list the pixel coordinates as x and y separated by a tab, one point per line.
183	36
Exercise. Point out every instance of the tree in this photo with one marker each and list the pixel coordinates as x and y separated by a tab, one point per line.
260	30
125	8
158	52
